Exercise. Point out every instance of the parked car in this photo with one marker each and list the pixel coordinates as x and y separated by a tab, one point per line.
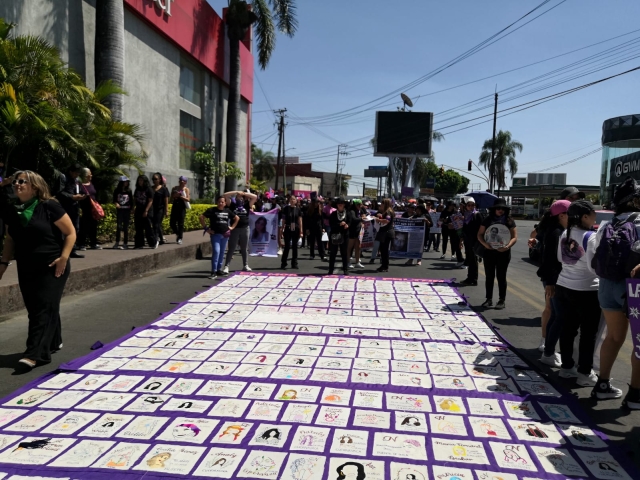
602	216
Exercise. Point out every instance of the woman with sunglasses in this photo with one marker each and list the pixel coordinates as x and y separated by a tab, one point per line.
40	238
497	243
160	205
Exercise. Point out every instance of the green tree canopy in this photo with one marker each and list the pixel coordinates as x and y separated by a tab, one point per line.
448	183
262	164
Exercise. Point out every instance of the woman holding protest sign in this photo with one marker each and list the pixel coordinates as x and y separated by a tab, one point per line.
497	234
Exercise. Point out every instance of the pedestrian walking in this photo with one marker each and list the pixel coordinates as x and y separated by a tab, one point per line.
88	237
142	213
69	196
450	234
497	234
354	219
472	223
315	225
40	237
327	210
160	206
291	232
435	232
181	202
553	224
612	292
241	206
222	221
376	243
123	200
386	232
339	237
576	294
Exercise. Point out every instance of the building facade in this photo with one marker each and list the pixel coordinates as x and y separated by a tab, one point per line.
176	72
620	153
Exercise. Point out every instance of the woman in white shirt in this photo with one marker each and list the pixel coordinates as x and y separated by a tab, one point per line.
576	294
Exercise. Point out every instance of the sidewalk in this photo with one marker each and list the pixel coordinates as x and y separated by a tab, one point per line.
101	267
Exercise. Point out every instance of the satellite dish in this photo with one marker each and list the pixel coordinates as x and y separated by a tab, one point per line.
407	101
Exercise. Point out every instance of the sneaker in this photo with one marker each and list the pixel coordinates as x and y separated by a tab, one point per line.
469	283
632	399
359	266
295	267
587	380
125	247
246	268
453	257
351	267
116	246
427	250
222	273
541	346
551	360
569	372
156	245
487	303
283	267
436	250
225	269
96	247
83	249
279	251
459	264
373	260
213	276
442	256
603	390
500	305
324	259
179	242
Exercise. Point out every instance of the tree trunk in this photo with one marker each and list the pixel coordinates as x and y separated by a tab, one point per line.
233	108
109	50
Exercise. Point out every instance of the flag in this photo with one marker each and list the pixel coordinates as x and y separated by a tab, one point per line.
269	194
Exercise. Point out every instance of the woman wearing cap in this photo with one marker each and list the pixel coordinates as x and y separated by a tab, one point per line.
354	219
612	295
496	260
553	224
122	199
472	222
386	219
180	197
241	205
576	294
160	205
339	237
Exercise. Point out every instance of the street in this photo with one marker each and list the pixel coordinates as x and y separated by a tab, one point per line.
107	314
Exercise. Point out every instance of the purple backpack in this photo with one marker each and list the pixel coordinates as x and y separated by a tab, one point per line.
614	257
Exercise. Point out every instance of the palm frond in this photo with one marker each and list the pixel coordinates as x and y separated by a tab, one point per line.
265	32
285	12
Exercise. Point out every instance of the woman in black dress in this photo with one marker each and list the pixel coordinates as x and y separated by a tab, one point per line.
386	219
40	237
181	196
143	202
88	225
316	229
339	237
160	205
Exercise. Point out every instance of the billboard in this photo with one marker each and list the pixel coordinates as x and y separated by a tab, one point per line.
403	134
375	173
546	179
519	182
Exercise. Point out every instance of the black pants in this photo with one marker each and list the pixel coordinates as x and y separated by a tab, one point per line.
316	237
453	237
143	228
472	261
74	215
123	217
176	221
290	237
88	230
42	292
156	223
446	233
333	253
578	310
385	242
495	265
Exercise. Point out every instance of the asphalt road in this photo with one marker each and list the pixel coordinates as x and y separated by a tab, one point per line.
108	314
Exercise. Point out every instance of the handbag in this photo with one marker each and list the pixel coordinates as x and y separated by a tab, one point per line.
227	234
337	238
478	249
187	205
96	209
325	237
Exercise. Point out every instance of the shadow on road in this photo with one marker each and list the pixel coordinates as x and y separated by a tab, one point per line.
518	322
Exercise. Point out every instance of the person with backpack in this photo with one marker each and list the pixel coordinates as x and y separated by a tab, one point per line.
472	221
553	223
291	232
576	294
616	258
497	234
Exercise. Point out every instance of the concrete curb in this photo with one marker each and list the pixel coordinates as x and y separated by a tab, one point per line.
84	279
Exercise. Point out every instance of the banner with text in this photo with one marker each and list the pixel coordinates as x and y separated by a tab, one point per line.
263	238
633	300
409	238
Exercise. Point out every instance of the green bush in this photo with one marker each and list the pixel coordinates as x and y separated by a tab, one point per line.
107	227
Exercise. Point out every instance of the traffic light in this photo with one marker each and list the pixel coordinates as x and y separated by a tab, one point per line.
442	170
470	165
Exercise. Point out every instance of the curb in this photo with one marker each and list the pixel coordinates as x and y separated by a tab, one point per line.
88	278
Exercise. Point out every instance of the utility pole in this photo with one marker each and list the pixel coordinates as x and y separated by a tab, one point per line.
341	151
363	185
492	173
280	112
284	163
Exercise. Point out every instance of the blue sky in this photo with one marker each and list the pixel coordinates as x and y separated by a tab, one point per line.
346	54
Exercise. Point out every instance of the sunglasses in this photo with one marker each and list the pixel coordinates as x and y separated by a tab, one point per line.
20	181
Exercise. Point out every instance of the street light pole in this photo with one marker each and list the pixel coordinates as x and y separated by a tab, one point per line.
492	172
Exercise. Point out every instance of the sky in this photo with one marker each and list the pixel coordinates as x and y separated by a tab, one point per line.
347	54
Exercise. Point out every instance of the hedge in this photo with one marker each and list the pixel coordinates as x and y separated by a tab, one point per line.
107	227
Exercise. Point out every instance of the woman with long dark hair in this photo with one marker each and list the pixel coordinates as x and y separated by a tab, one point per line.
180	196
240	203
472	222
123	200
497	234
576	294
386	219
339	237
222	221
160	205
88	236
354	219
449	233
40	238
143	211
315	225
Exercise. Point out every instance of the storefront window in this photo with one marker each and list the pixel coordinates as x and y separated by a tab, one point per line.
190	83
189	139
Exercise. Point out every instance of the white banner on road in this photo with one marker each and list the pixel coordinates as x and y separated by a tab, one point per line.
263	237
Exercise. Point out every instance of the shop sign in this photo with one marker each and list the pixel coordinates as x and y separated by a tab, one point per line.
164	5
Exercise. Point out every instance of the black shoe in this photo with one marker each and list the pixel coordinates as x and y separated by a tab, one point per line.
500	305
632	399
283	267
345	272
213	276
487	304
75	255
220	273
295	267
469	283
373	260
312	258
330	272
381	269
605	391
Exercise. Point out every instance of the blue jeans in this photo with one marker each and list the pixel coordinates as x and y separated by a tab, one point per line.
218	246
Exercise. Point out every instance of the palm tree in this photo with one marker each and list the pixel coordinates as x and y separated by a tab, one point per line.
109	51
239	19
262	164
506	149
